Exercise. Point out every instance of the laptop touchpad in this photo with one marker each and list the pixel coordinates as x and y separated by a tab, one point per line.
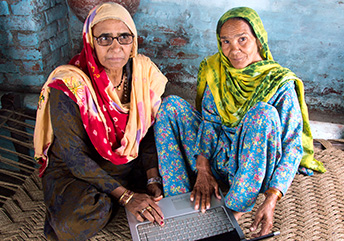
182	202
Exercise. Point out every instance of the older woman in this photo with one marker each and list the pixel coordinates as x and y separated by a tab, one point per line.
93	132
251	130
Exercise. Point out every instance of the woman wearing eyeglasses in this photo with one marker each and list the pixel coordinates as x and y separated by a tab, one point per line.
93	135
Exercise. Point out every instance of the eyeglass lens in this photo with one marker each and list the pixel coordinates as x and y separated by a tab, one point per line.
124	39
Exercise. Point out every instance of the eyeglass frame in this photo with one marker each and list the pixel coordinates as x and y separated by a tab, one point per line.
113	38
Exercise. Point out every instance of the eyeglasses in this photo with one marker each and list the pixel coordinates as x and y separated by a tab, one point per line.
123	39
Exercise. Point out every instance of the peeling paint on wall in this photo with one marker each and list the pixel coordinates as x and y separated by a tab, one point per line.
305	36
307	39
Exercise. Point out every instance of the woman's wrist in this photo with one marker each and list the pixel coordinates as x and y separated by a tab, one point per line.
273	192
123	195
202	164
153	176
153	180
152	172
125	198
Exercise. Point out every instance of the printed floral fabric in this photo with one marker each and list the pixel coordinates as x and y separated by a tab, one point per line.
237	90
263	151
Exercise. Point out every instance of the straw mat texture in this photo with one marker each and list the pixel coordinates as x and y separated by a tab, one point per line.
313	208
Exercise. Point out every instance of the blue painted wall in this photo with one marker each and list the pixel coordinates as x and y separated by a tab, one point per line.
305	36
34	39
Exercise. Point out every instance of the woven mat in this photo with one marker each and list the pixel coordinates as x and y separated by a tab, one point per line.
313	208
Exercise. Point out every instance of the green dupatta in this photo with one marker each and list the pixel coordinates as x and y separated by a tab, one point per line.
235	91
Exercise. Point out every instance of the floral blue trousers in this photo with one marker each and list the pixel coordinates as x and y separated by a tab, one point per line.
244	157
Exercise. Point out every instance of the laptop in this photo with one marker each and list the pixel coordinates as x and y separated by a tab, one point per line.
183	222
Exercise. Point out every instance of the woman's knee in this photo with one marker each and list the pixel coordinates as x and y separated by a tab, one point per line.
80	224
263	113
173	106
81	215
173	101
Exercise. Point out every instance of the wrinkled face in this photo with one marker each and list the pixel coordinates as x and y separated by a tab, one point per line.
114	56
239	44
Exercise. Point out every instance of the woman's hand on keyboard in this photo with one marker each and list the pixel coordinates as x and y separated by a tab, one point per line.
144	207
205	186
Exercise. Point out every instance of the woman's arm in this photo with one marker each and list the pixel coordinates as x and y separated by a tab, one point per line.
207	140
79	156
149	158
287	105
72	145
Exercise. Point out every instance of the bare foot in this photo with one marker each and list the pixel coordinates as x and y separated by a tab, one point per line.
237	215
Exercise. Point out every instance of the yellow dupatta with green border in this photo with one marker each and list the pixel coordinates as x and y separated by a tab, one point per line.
235	91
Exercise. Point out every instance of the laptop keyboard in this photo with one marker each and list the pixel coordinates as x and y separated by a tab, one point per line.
192	226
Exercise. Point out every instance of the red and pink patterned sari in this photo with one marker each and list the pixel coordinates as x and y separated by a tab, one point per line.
114	129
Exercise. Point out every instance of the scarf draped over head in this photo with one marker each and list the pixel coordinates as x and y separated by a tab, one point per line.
114	129
235	91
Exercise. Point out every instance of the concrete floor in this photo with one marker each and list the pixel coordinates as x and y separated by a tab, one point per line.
326	130
327	126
